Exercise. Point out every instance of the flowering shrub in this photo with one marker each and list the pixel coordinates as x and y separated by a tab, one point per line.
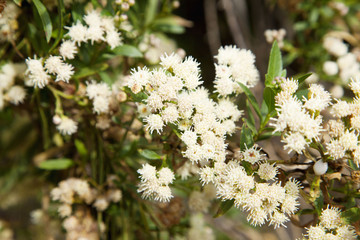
124	140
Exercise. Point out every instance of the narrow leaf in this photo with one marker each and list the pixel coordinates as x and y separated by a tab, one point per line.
302	78
352	215
61	13
269	98
45	18
252	99
275	65
224	207
128	51
80	147
246	138
148	154
56	164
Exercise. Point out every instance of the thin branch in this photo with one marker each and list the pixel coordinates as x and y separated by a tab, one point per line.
212	26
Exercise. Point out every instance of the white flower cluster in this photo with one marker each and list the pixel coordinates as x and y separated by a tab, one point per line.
265	202
300	120
272	34
345	64
174	96
79	189
8	22
97	26
38	74
15	94
155	184
65	125
344	137
100	93
234	66
331	227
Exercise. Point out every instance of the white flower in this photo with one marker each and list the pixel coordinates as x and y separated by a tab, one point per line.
189	137
68	49
292	187
278	219
349	140
154	122
93	19
193	153
78	33
289	85
53	63
330	68
67	126
101	204
147	172
139	78
101	105
65	210
267	171
170	61
335	46
94	90
36	72
166	176
252	155
355	86
330	218
335	149
207	175
113	38
337	91
295	142
16	94
95	34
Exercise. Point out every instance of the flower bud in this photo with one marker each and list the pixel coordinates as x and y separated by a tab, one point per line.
320	167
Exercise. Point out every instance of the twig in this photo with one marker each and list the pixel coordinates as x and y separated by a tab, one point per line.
233	24
212	26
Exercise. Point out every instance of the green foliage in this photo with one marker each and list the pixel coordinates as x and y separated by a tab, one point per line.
275	67
45	18
56	164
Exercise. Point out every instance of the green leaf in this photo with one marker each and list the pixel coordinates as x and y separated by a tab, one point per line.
148	154
251	118
301	93
269	98
352	164
246	138
224	207
45	18
56	164
128	51
61	13
251	126
150	13
80	147
275	65
352	215
305	211
140	97
302	78
252	99
18	2
88	71
106	78
171	24
319	203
